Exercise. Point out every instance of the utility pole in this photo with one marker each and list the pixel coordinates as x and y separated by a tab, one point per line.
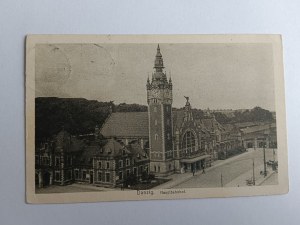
265	168
221	180
253	174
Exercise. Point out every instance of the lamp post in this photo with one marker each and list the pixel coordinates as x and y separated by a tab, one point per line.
265	166
221	180
253	174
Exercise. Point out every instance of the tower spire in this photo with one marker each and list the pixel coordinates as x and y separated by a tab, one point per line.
158	63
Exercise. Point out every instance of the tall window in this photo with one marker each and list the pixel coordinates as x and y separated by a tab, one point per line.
99	176
107	165
83	174
120	176
57	175
107	177
57	161
76	174
99	164
168	122
189	141
120	163
156	137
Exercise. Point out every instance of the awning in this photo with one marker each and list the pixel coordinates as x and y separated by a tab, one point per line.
192	160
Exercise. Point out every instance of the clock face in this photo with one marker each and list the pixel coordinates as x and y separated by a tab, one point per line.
155	93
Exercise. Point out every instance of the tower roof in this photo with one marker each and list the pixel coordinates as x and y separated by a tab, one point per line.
158	63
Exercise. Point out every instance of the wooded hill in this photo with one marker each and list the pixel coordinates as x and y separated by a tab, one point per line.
80	116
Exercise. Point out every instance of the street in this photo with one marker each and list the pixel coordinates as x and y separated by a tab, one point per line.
236	169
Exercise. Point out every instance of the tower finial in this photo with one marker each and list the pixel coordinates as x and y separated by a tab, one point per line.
158	63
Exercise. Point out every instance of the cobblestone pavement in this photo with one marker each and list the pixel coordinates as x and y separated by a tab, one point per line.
230	171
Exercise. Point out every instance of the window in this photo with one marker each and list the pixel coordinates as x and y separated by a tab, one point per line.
120	176
134	171
76	174
158	168
57	175
155	100
168	136
128	173
57	161
107	165
154	168
120	163
99	176
100	164
155	109
189	141
127	162
69	175
84	175
156	137
107	177
168	122
170	166
155	122
167	108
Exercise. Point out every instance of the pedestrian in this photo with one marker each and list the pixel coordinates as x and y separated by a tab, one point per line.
203	169
193	172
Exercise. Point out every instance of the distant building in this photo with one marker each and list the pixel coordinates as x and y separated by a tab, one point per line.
260	136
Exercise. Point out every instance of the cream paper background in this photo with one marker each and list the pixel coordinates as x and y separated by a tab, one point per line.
275	40
21	17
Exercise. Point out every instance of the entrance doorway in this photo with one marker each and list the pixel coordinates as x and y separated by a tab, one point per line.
91	177
250	145
36	179
46	178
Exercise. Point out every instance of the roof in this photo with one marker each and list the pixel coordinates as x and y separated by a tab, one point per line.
126	124
212	124
258	128
138	153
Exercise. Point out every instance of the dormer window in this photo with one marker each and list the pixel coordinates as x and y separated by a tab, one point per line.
127	162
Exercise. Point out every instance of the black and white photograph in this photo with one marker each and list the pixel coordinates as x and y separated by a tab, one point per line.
162	117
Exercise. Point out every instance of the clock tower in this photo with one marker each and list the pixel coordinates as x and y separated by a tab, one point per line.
159	98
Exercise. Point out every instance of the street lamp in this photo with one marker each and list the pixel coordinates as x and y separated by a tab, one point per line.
265	166
253	175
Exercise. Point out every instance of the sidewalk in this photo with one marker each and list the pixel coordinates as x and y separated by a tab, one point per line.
177	179
92	187
240	181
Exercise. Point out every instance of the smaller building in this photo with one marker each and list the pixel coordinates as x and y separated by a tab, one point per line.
66	159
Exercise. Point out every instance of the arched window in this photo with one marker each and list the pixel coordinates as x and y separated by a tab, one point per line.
189	141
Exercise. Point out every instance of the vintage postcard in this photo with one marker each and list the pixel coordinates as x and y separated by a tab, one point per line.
139	117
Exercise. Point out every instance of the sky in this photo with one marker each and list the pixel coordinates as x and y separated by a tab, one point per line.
215	76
